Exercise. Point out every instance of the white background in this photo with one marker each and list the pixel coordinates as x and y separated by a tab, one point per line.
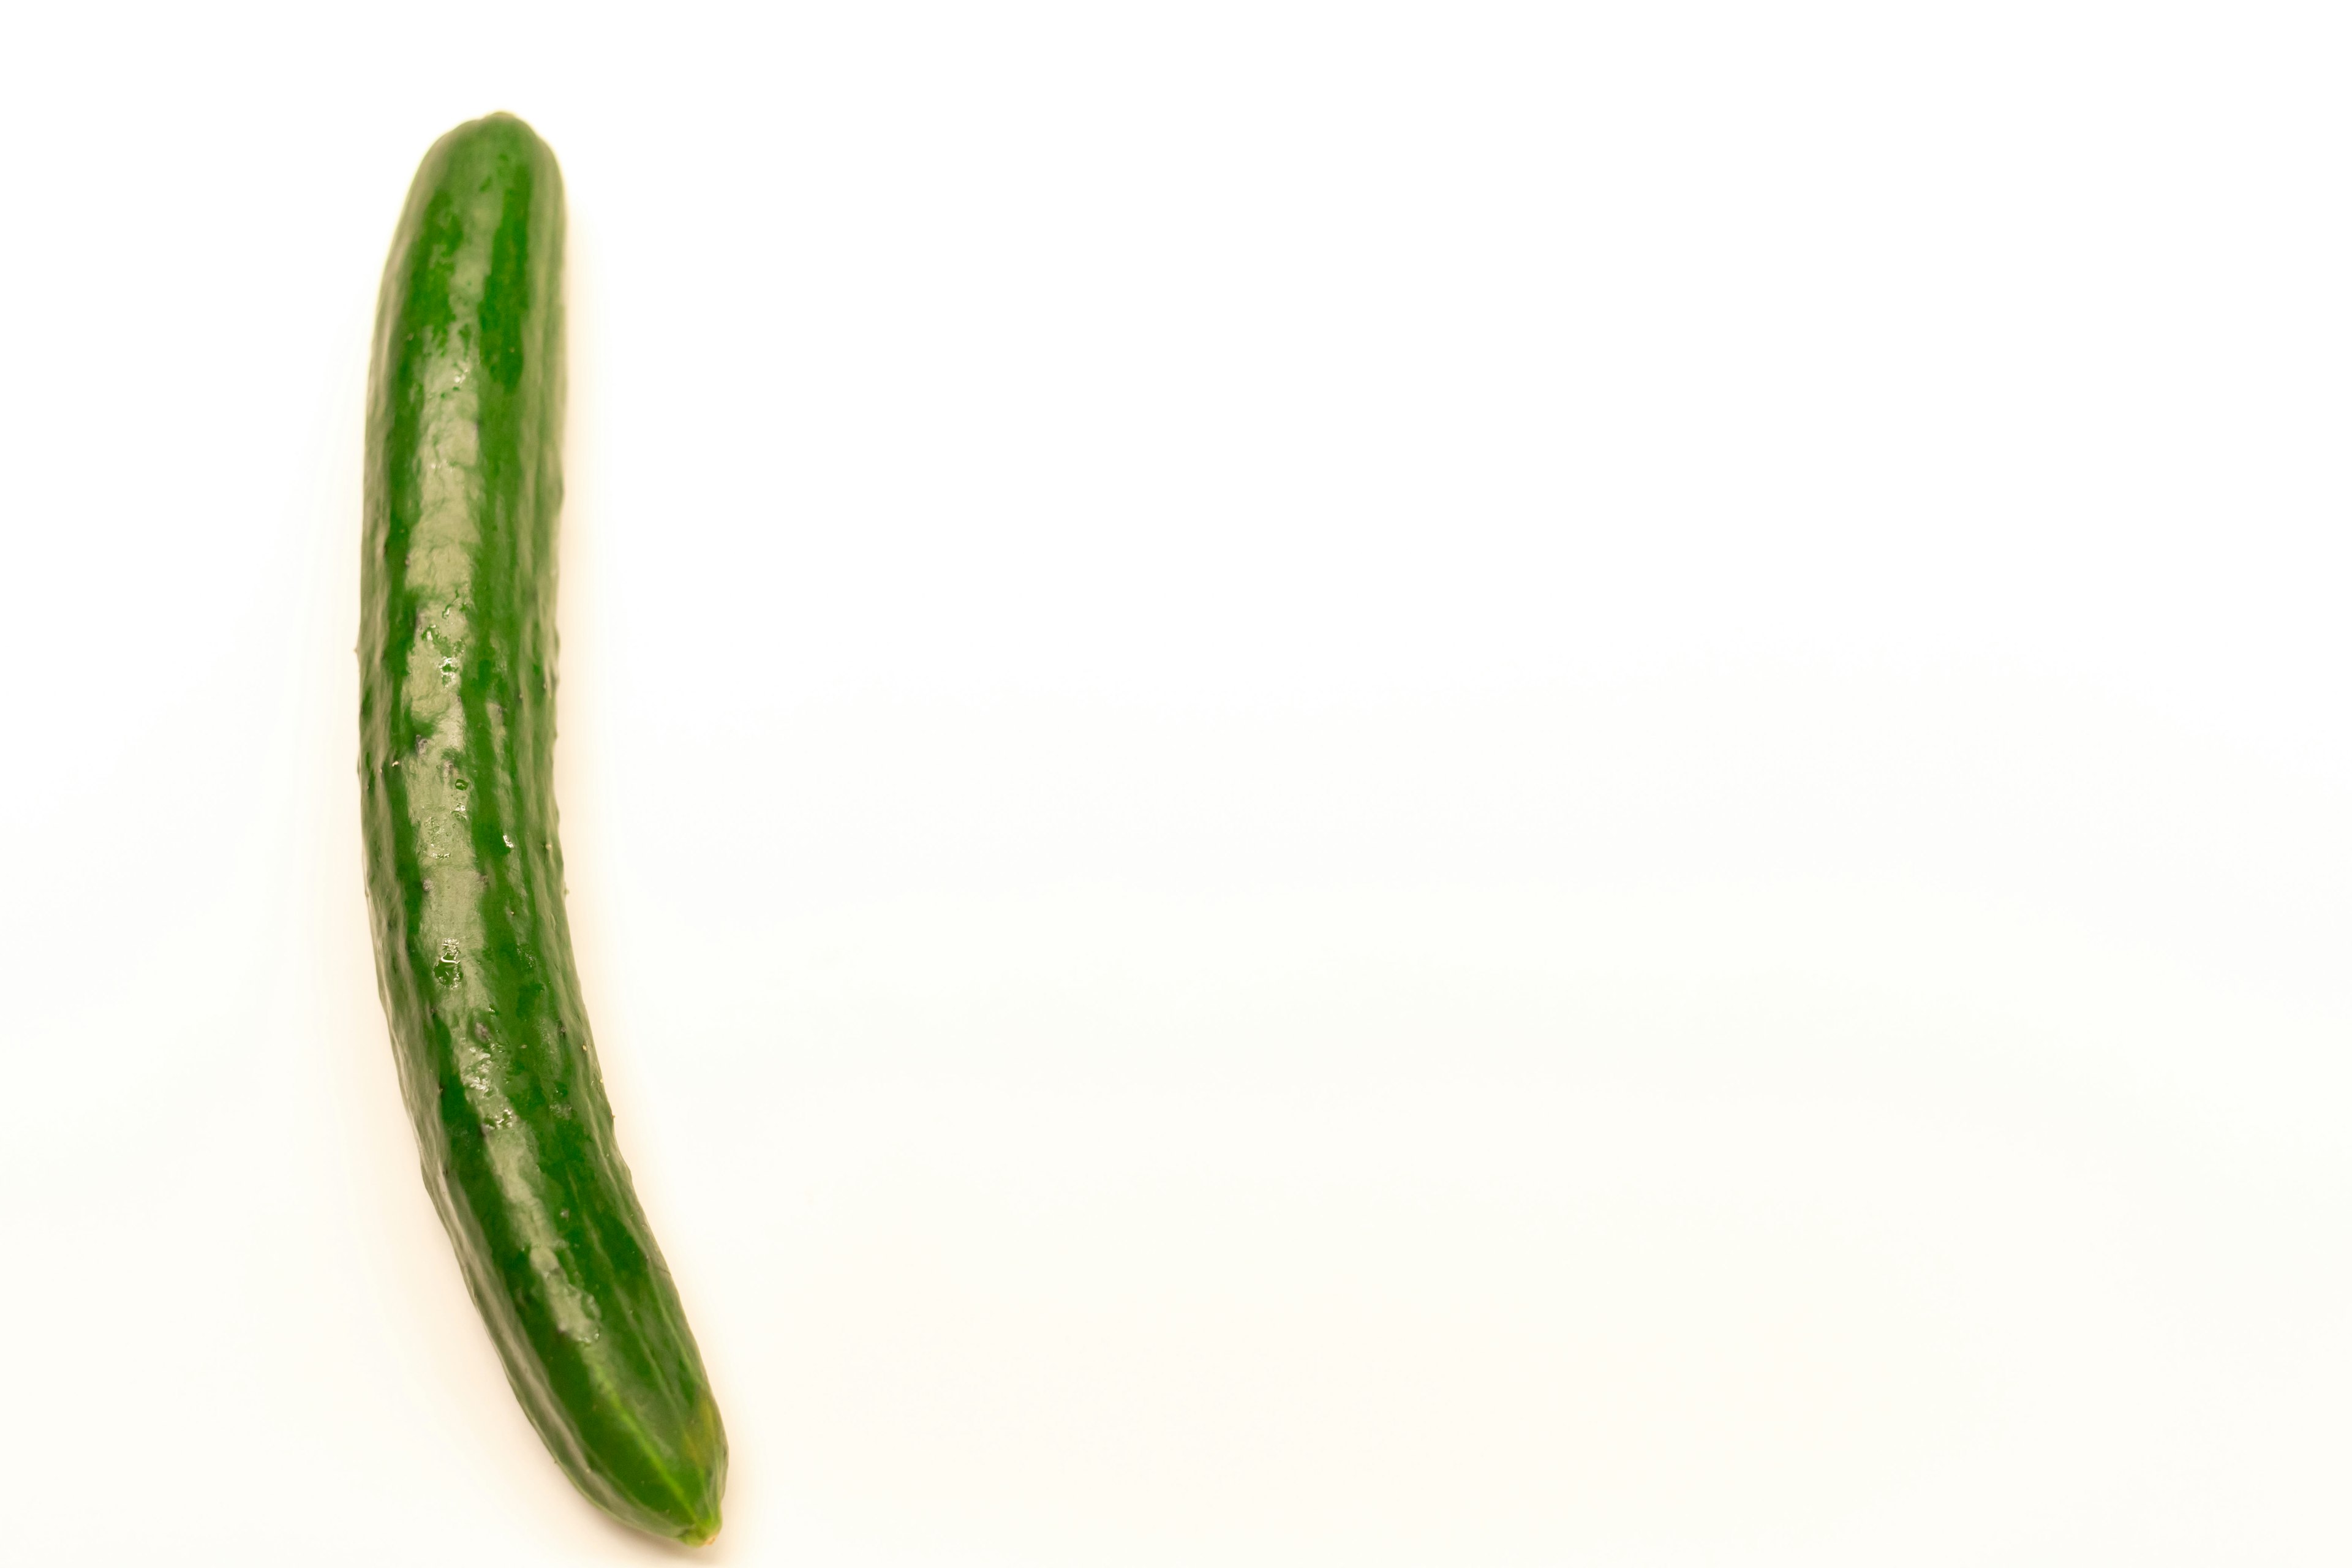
1345	784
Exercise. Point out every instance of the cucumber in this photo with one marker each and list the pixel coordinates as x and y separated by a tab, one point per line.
463	482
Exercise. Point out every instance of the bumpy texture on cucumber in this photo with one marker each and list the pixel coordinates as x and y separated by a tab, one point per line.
463	479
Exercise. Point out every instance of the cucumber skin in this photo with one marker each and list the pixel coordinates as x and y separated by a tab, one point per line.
463	484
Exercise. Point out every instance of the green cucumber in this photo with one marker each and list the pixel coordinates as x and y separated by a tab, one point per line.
464	481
